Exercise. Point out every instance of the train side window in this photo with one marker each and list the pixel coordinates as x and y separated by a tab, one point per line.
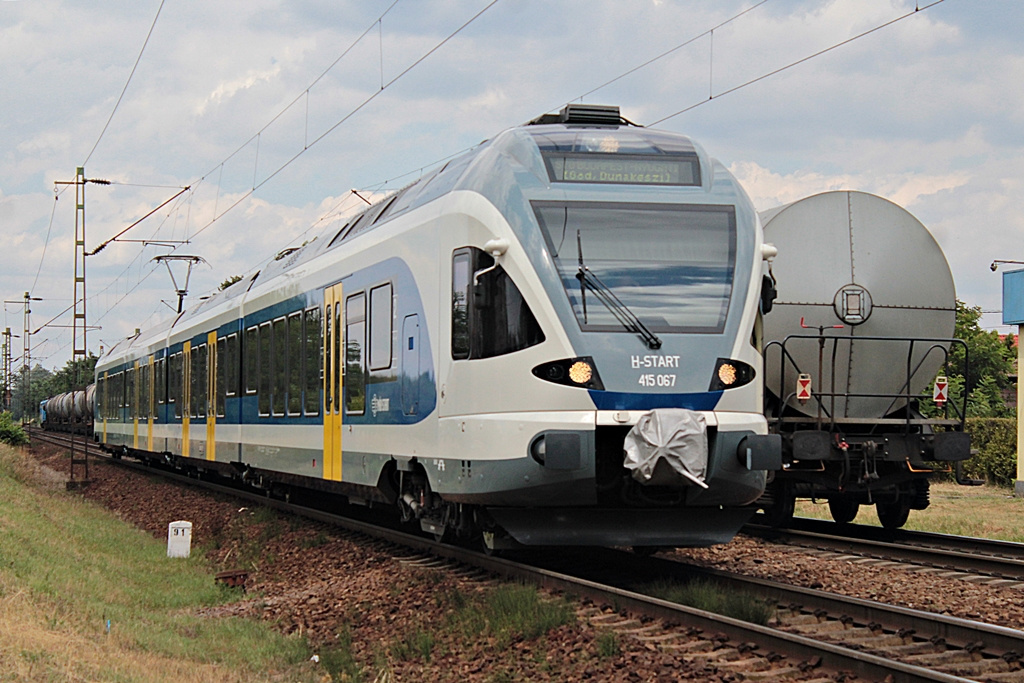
264	370
295	355
313	361
339	365
279	371
146	391
186	383
355	336
251	355
460	303
381	303
199	382
231	365
161	381
174	383
129	394
490	317
220	359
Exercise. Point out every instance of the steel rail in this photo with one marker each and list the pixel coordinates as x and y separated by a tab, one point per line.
973	556
928	539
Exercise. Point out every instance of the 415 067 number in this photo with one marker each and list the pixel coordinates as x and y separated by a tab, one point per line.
653	380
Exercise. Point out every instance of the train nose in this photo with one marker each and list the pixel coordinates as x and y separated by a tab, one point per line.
668	447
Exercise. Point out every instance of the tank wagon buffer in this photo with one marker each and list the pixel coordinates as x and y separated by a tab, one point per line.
862	325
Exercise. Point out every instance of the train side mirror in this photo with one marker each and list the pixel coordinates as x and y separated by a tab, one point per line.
768	294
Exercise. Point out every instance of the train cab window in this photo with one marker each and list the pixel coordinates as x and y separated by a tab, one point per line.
313	362
460	304
251	355
670	265
279	362
355	336
264	370
380	327
294	358
490	317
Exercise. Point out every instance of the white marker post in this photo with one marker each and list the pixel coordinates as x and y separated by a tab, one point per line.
179	539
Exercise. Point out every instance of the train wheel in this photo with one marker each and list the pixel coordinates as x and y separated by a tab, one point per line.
893	515
844	509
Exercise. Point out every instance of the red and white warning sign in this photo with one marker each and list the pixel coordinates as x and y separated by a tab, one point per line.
803	388
940	394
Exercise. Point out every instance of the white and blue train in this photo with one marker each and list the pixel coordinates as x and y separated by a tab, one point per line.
552	340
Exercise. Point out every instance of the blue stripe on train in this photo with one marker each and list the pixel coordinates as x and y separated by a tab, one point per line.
617	400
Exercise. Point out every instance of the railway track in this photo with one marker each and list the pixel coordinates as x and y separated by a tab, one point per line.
952	556
814	636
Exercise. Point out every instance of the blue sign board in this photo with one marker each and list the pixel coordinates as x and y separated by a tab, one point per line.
1013	297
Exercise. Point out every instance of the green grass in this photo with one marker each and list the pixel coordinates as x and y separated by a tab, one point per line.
608	645
710	597
978	511
508	613
68	568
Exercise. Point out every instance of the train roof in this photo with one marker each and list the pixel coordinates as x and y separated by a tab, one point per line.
527	151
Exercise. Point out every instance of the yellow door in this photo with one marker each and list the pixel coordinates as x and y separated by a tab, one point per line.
333	361
211	396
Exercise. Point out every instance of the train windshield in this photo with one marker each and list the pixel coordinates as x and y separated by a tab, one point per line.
670	265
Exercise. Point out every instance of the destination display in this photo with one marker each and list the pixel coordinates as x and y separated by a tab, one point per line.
614	168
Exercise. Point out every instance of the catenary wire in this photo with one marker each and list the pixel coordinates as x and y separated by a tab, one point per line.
125	89
769	74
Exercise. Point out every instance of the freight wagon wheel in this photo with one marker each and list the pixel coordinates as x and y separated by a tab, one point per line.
779	513
893	515
844	509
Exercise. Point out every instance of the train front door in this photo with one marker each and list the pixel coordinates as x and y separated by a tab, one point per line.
333	362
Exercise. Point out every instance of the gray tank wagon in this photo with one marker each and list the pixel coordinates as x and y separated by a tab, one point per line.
71	411
862	324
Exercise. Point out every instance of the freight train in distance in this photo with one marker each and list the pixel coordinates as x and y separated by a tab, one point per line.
554	339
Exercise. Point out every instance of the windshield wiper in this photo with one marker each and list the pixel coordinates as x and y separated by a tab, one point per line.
604	294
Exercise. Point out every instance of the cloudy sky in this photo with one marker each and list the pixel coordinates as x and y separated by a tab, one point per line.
271	112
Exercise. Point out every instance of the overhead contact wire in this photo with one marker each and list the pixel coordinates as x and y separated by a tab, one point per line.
797	62
125	88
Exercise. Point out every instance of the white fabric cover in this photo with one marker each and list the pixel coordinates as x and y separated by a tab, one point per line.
668	447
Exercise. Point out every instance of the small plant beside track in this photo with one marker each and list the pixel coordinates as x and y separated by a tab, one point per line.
708	596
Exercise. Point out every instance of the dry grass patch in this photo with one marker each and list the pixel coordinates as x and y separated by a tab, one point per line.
978	511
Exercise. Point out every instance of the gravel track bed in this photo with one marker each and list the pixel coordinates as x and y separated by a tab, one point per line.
904	585
327	585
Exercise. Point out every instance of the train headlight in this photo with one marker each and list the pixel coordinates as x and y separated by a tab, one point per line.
580	372
730	374
571	372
